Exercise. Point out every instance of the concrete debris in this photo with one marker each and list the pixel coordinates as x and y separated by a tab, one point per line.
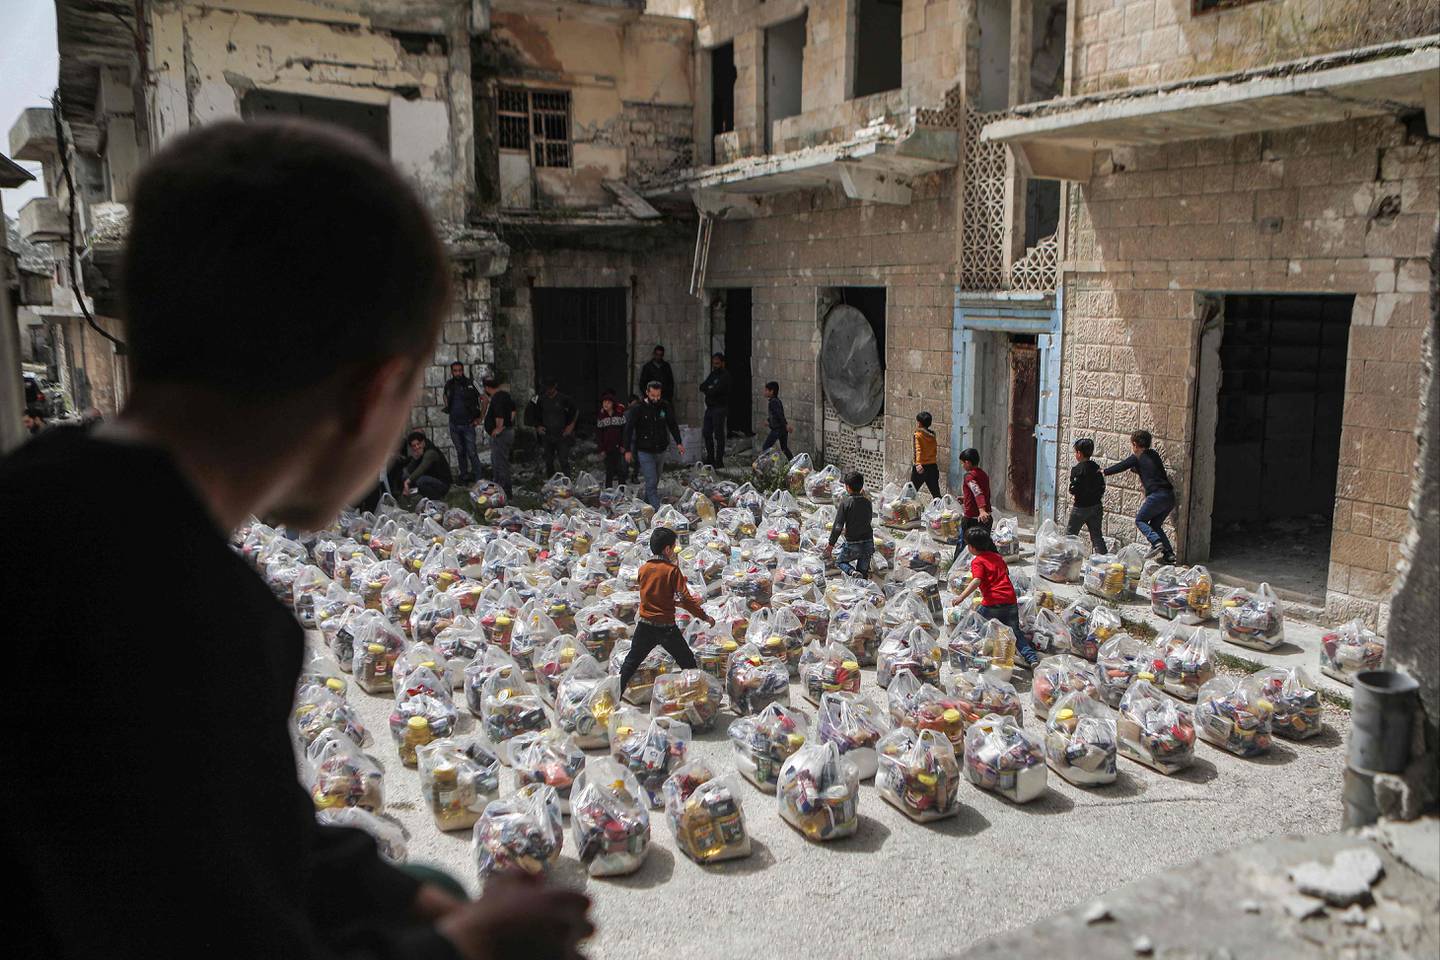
1144	946
1353	916
1098	913
1250	906
1300	906
1375	925
1415	843
1345	881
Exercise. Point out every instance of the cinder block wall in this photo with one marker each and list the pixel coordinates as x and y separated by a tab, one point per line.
813	240
1201	216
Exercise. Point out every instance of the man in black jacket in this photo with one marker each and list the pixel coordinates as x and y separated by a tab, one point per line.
462	404
499	423
716	389
1087	493
1159	493
557	414
650	425
283	403
657	370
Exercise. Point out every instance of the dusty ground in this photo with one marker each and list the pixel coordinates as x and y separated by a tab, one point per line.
933	888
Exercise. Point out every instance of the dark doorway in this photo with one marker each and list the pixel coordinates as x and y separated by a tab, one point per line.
722	89
580	340
871	302
737	360
1277	437
1024	411
784	71
877	54
370	121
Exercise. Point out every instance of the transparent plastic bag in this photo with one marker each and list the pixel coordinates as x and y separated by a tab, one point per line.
1255	620
508	708
762	743
912	648
497	617
982	693
309	584
857	628
1182	593
923	706
1350	649
672	519
642	681
1006	537
533	631
486	495
704	813
1233	714
435	679
737	522
339	774
781	530
825	485
319	708
608	820
798	571
391	839
1003	757
523	831
490	661
690	695
547	756
747	497
750	581
1059	675
826	668
1122	658
927	590
552	663
768	469
1114	576
1080	740
942	519
778	634
418	718
649	749
919	774
378	644
1059	557
818	792
917	553
712	645
1083	643
1154	729
1295	700
459	644
900	506
459	777
1048	632
1189	661
753	680
797	473
854	725
584	700
981	644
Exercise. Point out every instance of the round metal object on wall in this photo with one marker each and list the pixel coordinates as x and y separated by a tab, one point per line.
850	363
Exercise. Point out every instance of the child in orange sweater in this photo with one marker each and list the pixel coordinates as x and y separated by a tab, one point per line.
926	471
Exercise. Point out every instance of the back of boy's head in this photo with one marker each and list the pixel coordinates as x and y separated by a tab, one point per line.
774	387
977	538
662	538
854	481
1085	447
971	456
219	230
1141	439
923	418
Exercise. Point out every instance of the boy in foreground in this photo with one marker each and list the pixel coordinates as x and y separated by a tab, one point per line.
1087	493
1159	493
270	375
997	593
853	516
662	588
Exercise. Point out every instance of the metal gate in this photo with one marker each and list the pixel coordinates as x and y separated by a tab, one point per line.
580	341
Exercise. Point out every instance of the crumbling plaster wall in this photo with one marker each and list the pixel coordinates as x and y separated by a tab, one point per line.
206	56
631	97
931	53
1122	43
1338	208
806	241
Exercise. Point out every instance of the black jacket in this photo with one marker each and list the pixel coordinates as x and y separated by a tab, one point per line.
1150	468
469	392
649	427
717	388
854	516
659	371
1087	483
501	409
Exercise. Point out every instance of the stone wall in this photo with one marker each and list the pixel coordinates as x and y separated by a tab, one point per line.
1122	43
468	335
658	139
1341	208
807	241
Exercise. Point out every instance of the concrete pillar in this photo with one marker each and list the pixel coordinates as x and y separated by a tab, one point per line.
12	387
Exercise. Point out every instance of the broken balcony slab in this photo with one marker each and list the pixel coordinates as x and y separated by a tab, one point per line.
875	166
1059	139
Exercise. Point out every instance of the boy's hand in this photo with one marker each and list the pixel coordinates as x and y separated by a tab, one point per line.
518	916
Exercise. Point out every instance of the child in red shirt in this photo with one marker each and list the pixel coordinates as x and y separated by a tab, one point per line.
997	593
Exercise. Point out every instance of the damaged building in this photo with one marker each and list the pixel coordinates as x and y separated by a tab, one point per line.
1035	219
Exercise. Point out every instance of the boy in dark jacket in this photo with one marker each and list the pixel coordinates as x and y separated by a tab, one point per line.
610	437
775	419
853	520
1159	493
716	389
1087	491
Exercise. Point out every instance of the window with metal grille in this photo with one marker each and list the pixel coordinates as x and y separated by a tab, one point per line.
537	121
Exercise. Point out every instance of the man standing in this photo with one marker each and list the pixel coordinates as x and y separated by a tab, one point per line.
462	402
610	437
658	371
557	414
499	423
260	410
716	389
650	426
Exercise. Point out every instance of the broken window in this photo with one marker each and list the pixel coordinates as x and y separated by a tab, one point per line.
722	89
536	121
371	121
877	46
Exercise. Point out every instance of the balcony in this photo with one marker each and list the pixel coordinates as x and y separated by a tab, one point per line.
42	221
32	136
